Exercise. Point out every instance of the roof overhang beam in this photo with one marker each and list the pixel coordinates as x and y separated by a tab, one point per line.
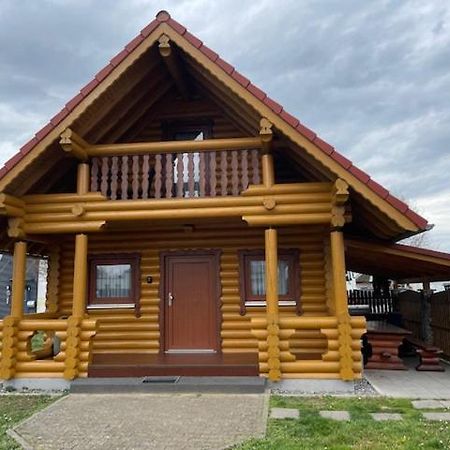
173	65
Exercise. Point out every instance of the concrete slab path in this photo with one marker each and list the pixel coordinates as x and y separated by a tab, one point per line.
411	383
145	421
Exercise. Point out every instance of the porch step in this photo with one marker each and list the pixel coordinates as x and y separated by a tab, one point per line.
219	385
109	365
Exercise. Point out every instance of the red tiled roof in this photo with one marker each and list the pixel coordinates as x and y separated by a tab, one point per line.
164	17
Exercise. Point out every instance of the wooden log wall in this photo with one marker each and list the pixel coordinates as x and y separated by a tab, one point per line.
120	331
29	365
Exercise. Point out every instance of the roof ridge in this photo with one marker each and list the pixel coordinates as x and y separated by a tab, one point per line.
164	17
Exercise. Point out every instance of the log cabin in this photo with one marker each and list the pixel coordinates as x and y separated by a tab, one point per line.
192	226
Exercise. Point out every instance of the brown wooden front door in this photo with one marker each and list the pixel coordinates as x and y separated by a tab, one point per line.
191	302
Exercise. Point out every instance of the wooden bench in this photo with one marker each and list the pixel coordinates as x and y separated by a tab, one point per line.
428	355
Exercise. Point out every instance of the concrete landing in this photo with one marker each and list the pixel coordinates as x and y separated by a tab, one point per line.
219	385
411	383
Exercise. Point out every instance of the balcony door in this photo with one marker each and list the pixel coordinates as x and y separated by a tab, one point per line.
186	167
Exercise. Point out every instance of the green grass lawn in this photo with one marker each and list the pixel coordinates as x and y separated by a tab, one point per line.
362	432
14	409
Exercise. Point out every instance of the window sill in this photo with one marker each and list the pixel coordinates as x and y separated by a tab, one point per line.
263	303
112	306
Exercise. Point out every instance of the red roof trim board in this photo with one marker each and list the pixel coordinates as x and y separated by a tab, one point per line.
164	17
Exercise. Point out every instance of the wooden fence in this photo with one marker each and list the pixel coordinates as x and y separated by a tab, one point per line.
377	303
410	308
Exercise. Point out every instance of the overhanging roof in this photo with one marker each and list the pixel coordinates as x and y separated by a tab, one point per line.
397	261
374	194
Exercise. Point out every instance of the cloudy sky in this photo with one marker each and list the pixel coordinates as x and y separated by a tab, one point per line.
371	77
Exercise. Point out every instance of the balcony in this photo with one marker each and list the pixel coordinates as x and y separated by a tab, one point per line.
175	175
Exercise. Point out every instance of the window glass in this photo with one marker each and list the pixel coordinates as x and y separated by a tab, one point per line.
188	136
252	286
113	281
258	280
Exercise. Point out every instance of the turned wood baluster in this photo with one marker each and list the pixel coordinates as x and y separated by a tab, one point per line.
191	180
158	176
212	174
145	175
169	175
114	177
94	175
124	183
244	167
180	174
255	167
234	173
224	175
202	175
104	176
135	177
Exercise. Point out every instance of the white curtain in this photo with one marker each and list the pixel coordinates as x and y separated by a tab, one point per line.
258	277
113	280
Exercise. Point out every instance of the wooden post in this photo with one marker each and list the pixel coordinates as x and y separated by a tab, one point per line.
273	341
11	323
338	270
340	304
266	135
83	178
425	313
71	362
18	278
268	171
80	275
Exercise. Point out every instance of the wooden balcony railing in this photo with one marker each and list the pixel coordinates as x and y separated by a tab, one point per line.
176	175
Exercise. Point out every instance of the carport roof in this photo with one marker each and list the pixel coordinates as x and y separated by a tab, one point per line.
397	261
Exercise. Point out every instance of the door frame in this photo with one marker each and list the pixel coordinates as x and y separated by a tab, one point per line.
215	255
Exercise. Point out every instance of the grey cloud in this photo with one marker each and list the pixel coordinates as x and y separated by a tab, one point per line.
372	78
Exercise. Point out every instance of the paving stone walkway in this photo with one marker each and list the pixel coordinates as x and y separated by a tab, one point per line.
341	416
146	421
381	417
430	404
344	416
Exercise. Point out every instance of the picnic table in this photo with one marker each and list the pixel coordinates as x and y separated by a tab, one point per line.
385	340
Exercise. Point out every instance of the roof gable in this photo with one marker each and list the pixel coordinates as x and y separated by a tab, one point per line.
226	74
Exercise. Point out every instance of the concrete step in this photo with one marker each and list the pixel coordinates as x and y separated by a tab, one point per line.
167	384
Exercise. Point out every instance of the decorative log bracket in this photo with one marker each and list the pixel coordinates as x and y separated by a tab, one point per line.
173	65
74	144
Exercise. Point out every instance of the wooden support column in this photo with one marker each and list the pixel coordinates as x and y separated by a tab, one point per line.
18	279
425	313
83	178
11	323
80	275
268	171
338	271
273	340
78	307
340	304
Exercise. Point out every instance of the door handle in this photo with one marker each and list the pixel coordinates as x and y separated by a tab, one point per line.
170	298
